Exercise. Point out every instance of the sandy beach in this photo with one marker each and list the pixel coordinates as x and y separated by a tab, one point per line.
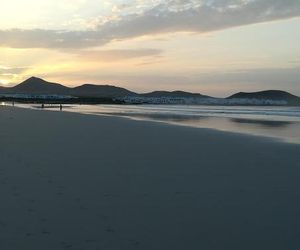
73	181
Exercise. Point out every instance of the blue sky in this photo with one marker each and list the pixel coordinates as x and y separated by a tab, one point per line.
208	46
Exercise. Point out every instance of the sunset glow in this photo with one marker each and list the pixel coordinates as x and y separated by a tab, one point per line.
212	47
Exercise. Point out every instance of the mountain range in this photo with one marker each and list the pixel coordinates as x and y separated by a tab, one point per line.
38	86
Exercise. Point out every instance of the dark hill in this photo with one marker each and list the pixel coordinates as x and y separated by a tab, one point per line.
158	94
268	94
35	85
276	95
38	86
89	90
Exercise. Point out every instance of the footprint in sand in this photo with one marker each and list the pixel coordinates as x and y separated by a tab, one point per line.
66	245
78	200
90	241
45	232
110	230
135	242
82	208
30	210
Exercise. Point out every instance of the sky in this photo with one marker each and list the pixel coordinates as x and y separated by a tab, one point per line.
214	47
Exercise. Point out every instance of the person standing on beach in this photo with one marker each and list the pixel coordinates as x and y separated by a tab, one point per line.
60	107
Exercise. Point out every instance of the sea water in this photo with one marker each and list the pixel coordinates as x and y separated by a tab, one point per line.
280	122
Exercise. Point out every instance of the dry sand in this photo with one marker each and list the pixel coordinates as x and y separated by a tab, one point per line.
72	181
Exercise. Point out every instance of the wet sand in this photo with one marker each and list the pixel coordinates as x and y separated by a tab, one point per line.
72	181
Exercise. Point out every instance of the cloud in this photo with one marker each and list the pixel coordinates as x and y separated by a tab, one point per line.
4	70
10	74
187	16
118	55
162	17
51	39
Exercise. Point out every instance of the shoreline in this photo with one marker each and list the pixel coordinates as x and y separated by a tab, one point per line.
75	181
276	138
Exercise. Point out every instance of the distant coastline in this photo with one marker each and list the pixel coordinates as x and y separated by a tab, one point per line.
37	90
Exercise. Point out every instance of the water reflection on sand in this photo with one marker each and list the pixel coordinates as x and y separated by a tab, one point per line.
287	130
277	122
